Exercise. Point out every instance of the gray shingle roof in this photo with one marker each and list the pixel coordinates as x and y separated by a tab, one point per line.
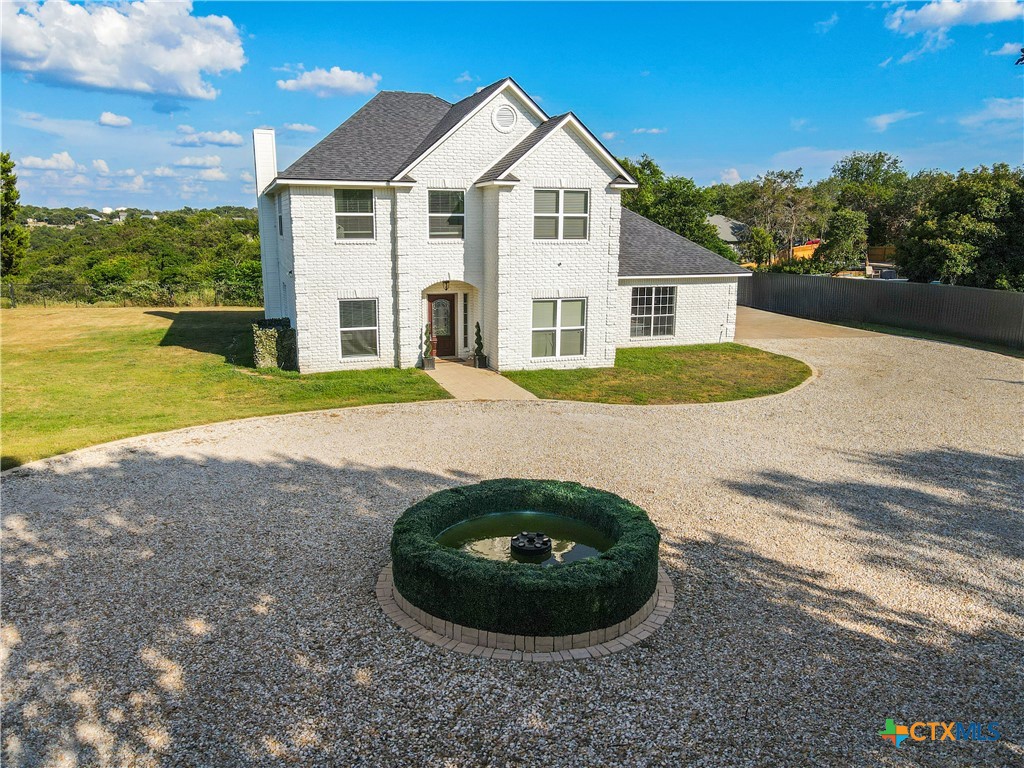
516	153
454	115
729	230
646	248
373	144
392	130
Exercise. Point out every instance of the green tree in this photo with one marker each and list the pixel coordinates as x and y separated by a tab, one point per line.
846	240
875	184
14	237
674	202
759	247
969	232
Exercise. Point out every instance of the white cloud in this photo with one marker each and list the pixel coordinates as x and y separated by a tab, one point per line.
190	138
996	111
1008	49
300	127
137	184
933	41
798	123
206	161
609	135
944	14
886	63
100	166
56	162
164	172
881	123
114	121
465	77
185	129
153	48
730	176
331	82
212	174
823	27
650	130
246	176
936	18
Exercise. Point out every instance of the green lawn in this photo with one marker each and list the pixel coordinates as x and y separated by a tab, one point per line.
77	377
701	373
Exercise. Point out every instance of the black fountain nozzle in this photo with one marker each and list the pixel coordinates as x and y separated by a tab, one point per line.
531	543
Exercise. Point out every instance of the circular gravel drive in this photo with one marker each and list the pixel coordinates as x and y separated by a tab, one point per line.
842	554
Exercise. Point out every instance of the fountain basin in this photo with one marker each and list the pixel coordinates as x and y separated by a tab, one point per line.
526	598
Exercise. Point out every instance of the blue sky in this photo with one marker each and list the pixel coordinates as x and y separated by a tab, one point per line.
153	105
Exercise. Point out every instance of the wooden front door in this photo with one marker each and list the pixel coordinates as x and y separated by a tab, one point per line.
441	316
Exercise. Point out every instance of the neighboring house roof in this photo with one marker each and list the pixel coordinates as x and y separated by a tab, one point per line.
376	142
647	249
729	230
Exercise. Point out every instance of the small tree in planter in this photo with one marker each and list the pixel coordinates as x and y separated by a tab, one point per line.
428	349
479	358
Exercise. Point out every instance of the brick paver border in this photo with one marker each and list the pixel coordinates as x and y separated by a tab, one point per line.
495	645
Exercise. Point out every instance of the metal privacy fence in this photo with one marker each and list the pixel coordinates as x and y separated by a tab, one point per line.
135	294
971	313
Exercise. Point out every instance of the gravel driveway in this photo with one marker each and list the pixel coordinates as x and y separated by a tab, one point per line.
844	553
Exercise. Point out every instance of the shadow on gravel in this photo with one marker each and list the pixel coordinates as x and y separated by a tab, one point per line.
910	511
796	661
193	611
227	333
166	601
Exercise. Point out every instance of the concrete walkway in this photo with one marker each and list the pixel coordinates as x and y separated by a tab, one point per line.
757	324
464	382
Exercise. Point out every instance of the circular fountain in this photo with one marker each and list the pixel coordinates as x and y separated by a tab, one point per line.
547	565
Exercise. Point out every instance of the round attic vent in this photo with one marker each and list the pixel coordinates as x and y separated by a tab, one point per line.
504	118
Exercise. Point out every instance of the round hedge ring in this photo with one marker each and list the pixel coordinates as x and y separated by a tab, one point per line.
526	598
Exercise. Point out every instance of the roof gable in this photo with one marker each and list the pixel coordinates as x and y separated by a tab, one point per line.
501	171
461	112
375	142
647	249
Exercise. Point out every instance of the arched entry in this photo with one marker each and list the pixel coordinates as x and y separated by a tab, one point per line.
452	308
441	316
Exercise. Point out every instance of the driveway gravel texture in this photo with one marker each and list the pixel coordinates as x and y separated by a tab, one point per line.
844	553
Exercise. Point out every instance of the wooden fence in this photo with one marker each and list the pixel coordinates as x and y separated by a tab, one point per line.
979	314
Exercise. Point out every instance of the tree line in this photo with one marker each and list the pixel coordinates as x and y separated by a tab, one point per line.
129	253
965	228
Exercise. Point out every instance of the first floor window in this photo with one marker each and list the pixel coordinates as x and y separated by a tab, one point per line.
358	327
447	214
559	327
353	214
653	311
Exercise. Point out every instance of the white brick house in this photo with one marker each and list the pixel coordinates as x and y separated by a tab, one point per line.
416	210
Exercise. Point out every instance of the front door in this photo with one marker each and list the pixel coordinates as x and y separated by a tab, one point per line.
441	316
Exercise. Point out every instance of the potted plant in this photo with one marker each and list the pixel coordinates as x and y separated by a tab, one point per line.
479	358
428	350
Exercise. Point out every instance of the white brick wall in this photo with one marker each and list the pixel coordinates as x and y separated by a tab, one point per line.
421	262
327	270
498	265
532	269
705	311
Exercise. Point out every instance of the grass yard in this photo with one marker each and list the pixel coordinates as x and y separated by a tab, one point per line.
77	377
701	373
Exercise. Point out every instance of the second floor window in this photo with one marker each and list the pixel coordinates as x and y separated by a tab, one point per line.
447	214
561	214
353	214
